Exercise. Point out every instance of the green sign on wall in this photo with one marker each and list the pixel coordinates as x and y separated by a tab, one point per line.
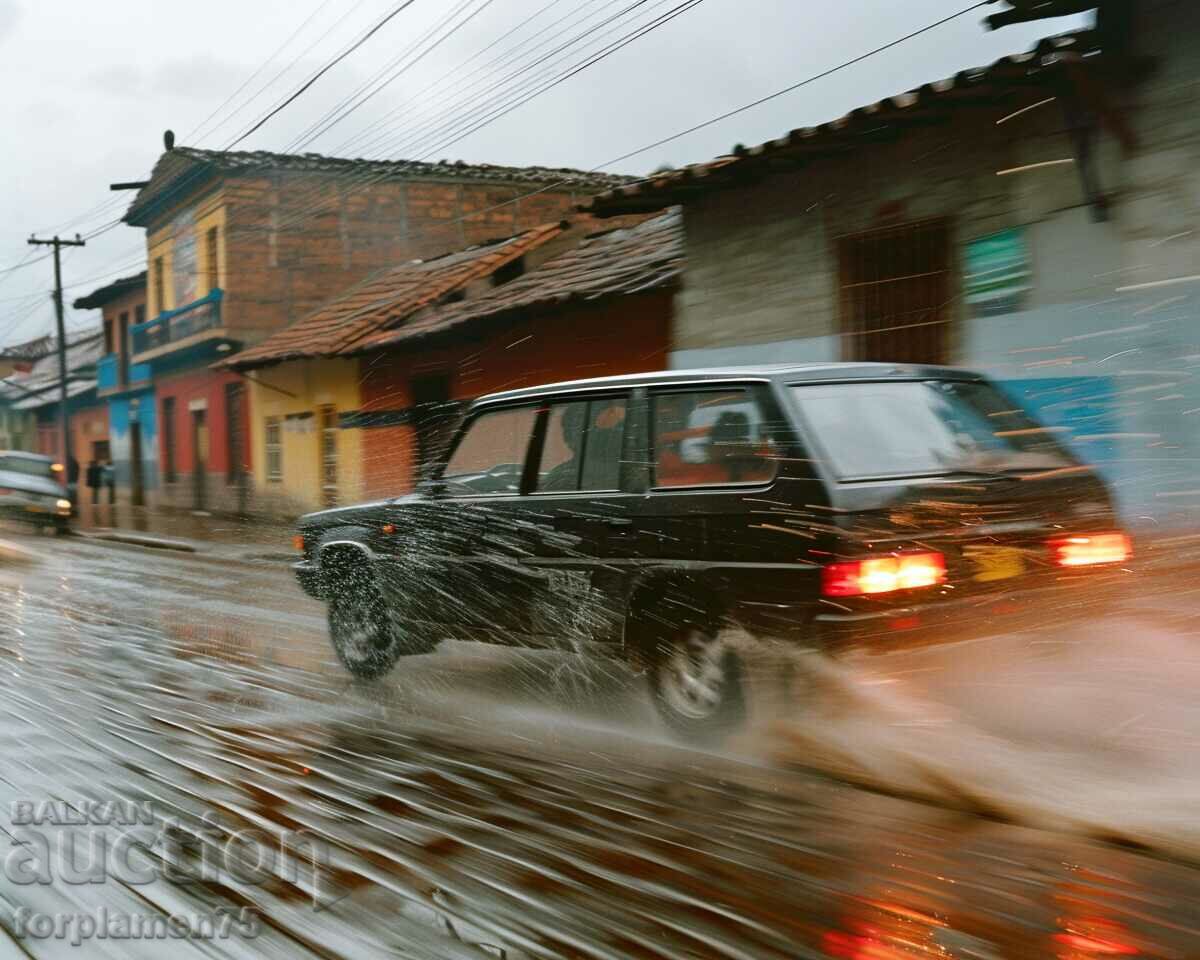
997	272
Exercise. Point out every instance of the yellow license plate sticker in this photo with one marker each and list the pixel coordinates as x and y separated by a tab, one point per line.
996	563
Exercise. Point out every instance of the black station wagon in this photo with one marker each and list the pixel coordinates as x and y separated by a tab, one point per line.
668	517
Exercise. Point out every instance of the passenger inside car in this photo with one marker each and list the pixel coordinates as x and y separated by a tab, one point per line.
593	430
707	440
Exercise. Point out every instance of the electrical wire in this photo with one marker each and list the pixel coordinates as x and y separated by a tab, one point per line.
324	70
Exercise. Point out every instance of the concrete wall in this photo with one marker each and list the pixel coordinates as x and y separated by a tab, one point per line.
1110	324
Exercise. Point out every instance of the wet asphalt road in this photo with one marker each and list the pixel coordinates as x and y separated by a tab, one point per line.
477	802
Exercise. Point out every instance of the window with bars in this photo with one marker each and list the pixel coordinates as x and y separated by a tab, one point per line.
273	435
894	292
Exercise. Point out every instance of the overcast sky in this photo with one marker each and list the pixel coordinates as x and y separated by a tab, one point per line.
90	87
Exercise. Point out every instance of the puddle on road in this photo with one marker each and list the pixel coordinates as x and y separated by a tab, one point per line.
1093	730
463	822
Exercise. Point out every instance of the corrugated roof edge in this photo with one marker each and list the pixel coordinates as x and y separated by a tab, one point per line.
662	189
110	291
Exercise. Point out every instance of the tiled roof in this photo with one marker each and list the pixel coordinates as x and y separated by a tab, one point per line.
83	353
644	257
998	85
110	292
387	297
184	168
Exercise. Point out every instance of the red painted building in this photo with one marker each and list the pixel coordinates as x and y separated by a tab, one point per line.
202	420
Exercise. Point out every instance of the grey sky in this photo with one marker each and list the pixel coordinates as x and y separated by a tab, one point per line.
92	87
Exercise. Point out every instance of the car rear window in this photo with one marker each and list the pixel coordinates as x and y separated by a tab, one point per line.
710	437
923	428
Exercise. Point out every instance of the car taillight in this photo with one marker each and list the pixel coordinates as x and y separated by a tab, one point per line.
298	543
4	491
901	571
1090	549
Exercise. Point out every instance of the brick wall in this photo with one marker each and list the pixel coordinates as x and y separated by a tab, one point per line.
293	241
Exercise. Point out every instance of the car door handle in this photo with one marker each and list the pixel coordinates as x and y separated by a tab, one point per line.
615	521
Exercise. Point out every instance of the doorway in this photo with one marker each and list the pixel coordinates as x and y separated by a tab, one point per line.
137	496
199	459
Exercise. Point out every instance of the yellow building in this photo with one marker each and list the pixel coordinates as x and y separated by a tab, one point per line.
302	458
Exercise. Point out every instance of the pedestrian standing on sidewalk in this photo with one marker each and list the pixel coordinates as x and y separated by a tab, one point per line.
93	478
108	475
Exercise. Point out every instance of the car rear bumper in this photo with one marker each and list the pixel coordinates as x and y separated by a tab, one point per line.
40	514
1027	608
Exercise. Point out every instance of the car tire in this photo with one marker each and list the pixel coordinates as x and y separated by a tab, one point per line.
364	635
698	682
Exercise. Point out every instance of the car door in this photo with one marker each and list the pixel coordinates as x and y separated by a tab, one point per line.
573	525
471	581
710	514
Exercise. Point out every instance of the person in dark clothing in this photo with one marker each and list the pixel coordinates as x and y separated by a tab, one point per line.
93	479
108	476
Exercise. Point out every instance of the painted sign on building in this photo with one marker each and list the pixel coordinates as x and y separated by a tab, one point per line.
997	275
183	266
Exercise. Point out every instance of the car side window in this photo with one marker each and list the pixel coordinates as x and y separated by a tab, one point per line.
490	456
582	448
710	437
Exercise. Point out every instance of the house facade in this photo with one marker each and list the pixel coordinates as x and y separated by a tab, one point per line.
1038	218
411	345
240	245
126	391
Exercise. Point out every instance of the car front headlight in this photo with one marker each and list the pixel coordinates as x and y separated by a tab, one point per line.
64	505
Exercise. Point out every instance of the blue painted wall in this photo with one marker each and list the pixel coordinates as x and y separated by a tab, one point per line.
134	408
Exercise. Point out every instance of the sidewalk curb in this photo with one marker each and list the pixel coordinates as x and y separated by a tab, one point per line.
137	540
254	556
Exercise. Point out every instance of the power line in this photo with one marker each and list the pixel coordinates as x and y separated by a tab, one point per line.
324	70
295	60
343	109
721	117
263	66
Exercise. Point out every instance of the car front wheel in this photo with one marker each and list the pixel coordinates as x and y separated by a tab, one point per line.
696	678
360	628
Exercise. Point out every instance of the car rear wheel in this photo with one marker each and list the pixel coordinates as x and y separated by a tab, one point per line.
697	680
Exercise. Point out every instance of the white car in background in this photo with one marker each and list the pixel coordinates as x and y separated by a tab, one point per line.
30	490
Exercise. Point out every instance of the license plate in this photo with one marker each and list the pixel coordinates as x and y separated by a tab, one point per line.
36	508
996	563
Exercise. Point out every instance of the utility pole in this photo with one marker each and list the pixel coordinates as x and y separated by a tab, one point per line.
64	420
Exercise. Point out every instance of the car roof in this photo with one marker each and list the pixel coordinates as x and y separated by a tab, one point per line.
786	372
26	455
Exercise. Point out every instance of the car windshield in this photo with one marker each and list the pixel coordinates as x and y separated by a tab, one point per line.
924	428
26	466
